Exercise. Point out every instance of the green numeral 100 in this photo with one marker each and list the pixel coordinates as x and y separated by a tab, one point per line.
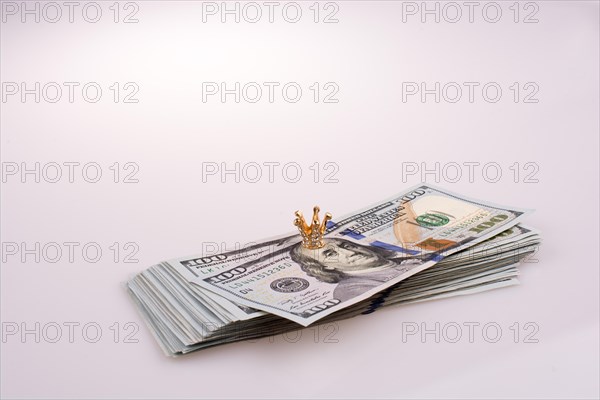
488	224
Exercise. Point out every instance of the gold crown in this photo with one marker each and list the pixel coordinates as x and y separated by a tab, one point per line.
312	235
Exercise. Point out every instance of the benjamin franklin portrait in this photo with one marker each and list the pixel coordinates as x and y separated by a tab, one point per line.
354	267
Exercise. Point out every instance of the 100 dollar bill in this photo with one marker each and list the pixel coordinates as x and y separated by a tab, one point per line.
365	252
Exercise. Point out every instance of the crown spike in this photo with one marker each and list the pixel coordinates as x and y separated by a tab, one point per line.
312	235
300	222
315	218
326	219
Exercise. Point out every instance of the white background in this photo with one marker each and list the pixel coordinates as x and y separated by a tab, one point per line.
371	135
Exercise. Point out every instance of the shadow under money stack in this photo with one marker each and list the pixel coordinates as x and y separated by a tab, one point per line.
423	244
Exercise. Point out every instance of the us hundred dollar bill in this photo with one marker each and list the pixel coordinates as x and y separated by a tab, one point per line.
365	252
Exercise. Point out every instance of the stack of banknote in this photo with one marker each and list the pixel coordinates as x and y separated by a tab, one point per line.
425	243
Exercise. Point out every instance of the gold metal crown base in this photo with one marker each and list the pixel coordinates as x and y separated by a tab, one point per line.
313	244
